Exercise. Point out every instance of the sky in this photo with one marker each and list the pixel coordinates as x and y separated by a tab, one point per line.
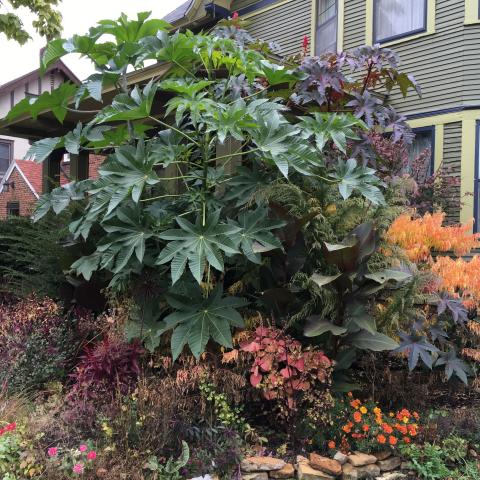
78	17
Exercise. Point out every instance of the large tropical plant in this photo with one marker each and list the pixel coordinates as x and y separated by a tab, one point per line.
172	204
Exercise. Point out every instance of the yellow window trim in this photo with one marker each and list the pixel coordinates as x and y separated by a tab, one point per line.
340	25
471	12
266	9
468	119
431	11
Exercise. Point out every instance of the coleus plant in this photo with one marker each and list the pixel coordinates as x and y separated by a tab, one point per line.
220	96
282	368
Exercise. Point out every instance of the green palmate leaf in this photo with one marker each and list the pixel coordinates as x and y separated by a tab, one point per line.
53	52
129	170
135	106
245	184
277	74
325	127
197	319
352	178
255	233
317	326
168	147
377	342
40	150
87	265
56	101
197	245
272	138
229	120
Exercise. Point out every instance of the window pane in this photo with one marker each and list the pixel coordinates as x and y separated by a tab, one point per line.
420	156
397	17
4	157
327	9
326	39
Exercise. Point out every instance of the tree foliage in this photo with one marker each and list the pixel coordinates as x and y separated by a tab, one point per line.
47	23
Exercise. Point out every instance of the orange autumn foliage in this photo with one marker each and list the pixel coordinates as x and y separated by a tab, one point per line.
419	236
460	278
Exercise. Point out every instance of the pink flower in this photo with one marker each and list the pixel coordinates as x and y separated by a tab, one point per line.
78	468
91	455
11	426
52	451
235	15
83	448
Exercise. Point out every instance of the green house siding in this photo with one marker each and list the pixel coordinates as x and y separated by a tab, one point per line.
471	65
285	24
435	60
452	148
354	24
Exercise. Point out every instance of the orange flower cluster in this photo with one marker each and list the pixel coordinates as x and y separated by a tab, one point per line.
460	278
419	236
367	422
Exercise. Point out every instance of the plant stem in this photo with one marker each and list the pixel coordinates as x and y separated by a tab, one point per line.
175	130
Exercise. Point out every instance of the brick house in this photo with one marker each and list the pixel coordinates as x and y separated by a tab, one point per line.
22	184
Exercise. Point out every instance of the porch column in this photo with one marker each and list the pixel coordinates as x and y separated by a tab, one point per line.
51	171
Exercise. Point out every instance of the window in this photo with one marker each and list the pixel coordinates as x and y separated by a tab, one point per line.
13	209
6	154
394	19
326	34
421	154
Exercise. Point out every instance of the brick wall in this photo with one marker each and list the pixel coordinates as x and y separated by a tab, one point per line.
94	163
21	194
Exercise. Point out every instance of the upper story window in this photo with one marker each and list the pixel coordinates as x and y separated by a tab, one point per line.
398	18
6	154
326	32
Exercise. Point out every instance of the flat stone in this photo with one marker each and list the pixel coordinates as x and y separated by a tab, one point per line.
389	464
340	457
288	471
325	464
255	476
383	455
368	472
261	464
302	459
405	466
349	472
360	459
392	476
306	472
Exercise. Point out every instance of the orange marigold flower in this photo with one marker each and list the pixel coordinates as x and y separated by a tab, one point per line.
391	414
412	430
331	444
405	419
347	428
387	428
407	439
416	415
363	410
402	429
366	428
377	411
381	439
392	440
356	404
357	416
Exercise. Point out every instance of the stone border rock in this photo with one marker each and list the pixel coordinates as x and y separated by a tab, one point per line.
355	466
